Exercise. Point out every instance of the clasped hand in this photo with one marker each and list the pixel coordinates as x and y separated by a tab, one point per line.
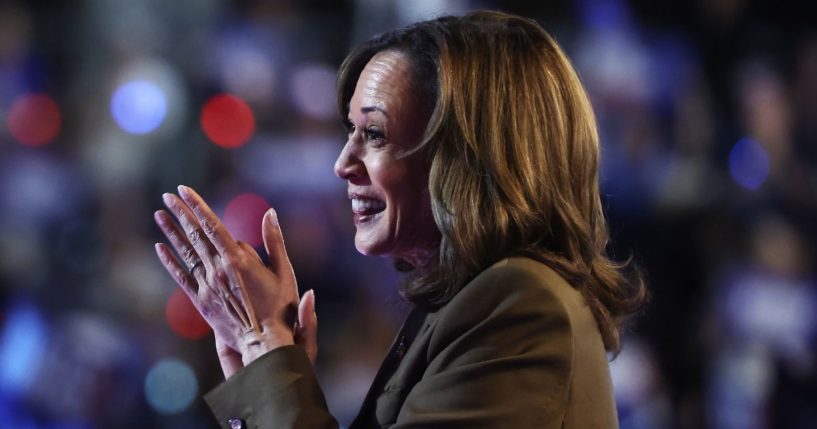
252	308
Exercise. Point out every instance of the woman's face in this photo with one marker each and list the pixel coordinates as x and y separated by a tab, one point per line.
387	186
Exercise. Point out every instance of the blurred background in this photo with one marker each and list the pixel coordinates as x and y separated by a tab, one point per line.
708	116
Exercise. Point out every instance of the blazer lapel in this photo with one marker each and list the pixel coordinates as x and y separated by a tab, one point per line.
367	417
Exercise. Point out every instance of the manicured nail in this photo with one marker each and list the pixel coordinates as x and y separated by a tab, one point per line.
184	191
168	199
272	217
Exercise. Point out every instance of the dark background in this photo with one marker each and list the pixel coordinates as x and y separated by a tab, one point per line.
708	117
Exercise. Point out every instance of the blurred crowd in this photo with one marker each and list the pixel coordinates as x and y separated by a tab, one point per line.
708	119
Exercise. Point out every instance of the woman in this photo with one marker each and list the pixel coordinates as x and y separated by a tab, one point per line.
472	162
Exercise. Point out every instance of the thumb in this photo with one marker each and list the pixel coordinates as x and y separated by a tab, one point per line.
274	242
306	332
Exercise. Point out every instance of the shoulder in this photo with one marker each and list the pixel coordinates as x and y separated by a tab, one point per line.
506	351
518	274
516	304
504	344
510	287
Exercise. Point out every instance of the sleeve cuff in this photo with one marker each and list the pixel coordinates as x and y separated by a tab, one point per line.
279	390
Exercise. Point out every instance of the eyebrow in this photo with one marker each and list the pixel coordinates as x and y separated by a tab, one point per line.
369	109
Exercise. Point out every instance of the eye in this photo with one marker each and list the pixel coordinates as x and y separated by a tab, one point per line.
349	126
374	134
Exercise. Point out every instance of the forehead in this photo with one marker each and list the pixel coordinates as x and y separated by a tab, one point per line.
385	82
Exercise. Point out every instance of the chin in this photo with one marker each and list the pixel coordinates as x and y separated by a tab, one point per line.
370	249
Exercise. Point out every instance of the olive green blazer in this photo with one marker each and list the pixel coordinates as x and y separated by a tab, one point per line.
516	347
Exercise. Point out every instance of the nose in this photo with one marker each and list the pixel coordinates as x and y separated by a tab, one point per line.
349	166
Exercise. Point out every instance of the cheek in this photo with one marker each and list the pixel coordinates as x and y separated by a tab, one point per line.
389	177
413	201
380	170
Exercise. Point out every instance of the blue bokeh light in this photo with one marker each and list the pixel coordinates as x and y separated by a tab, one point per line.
22	347
748	163
139	106
604	15
170	386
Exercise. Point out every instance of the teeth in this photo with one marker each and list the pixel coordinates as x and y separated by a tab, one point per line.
360	205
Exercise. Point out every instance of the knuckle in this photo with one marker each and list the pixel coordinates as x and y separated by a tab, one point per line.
194	236
189	255
185	282
209	227
183	279
233	264
234	260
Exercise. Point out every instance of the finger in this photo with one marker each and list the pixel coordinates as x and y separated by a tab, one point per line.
249	249
192	231
180	274
212	226
306	334
177	239
274	243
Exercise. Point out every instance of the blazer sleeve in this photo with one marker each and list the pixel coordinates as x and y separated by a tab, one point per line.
500	356
277	390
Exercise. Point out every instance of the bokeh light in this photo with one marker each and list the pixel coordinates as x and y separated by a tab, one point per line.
139	107
748	163
87	308
170	386
22	347
227	121
38	187
313	90
248	71
34	119
243	216
183	318
303	162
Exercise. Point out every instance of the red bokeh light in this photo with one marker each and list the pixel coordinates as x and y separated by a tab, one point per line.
183	318
243	216
34	119
228	121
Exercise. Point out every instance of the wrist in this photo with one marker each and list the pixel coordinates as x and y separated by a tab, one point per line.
257	344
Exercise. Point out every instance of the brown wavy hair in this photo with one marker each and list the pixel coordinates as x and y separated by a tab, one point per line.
513	154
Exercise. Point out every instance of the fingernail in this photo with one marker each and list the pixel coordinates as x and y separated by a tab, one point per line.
272	217
168	199
184	191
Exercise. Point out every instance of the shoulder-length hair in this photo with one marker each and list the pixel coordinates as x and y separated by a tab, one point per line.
513	153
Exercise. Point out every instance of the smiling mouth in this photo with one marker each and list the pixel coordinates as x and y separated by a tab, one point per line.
365	208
